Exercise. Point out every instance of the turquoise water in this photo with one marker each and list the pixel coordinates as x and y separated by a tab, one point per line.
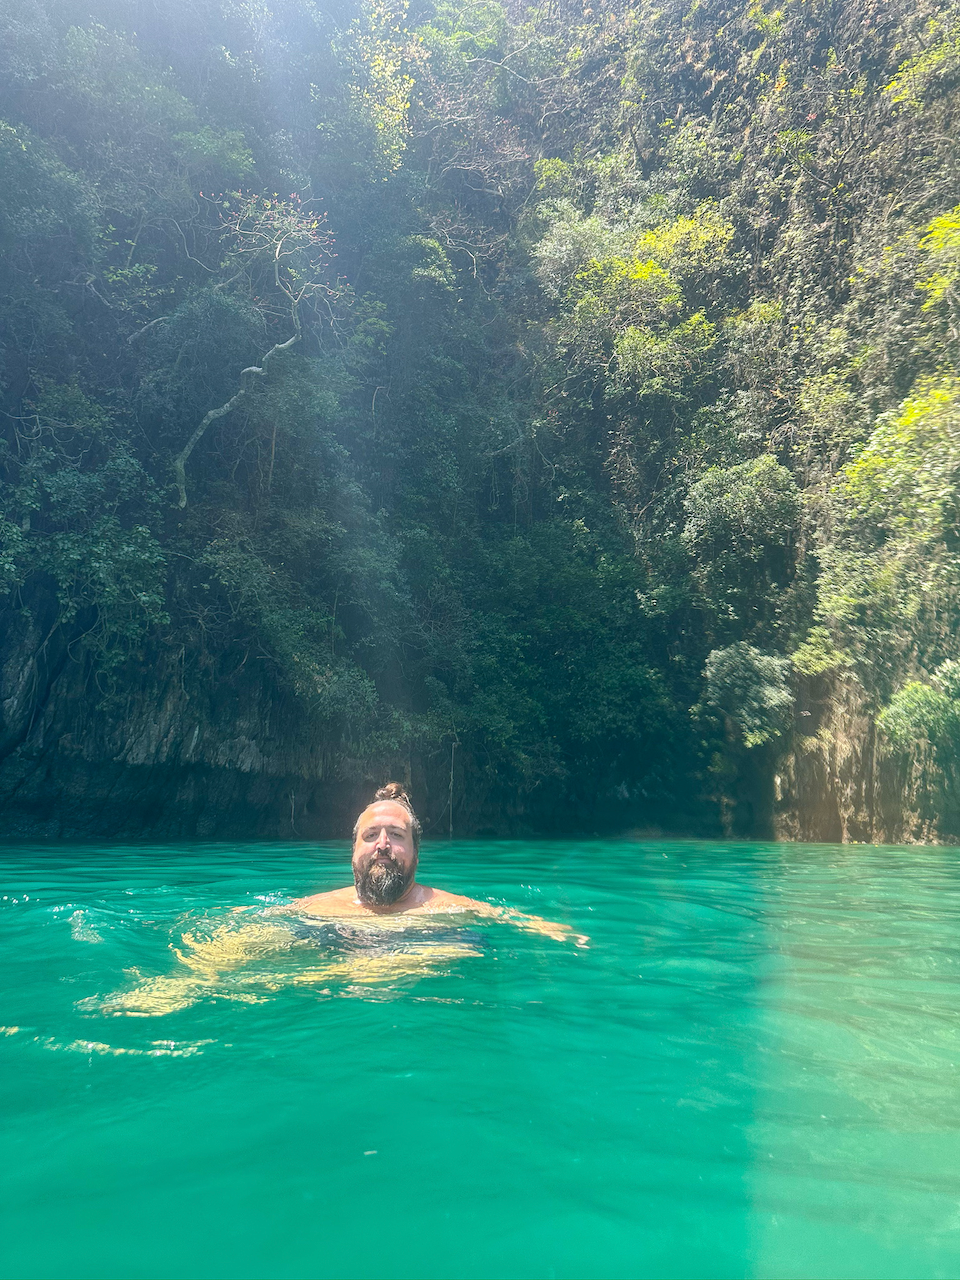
751	1071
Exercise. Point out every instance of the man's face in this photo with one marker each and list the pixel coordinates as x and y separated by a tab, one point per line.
384	859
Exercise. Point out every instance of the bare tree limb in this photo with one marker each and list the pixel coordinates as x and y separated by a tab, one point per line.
138	333
179	463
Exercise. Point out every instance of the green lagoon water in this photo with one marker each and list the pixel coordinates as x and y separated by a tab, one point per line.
751	1071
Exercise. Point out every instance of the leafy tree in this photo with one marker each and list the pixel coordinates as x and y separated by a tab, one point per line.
751	689
741	525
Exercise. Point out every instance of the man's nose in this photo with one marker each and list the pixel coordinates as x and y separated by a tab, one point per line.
383	840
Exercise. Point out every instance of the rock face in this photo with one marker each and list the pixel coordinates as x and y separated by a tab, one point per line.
153	750
179	746
838	784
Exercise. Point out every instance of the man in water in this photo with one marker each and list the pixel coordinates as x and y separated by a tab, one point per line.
237	958
386	849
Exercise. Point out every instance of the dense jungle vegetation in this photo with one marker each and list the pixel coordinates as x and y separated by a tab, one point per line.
555	405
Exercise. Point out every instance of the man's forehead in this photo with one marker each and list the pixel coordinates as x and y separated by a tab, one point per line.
389	811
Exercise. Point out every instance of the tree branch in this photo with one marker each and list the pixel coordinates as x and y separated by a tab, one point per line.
138	333
179	463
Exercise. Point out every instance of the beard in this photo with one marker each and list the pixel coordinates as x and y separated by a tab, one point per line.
380	884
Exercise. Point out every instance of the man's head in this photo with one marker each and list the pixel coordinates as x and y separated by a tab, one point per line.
386	844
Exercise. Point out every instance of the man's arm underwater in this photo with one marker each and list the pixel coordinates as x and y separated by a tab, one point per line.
520	919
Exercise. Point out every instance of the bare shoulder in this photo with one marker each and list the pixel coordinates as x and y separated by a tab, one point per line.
335	902
441	900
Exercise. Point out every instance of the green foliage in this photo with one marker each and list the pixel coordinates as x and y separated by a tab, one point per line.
940	247
920	713
903	480
935	67
743	508
653	365
40	196
923	716
741	522
206	151
383	87
751	689
947	677
622	296
619	355
818	654
939	251
893	556
298	635
76	513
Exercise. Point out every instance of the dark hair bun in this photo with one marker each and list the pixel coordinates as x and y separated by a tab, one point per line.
394	791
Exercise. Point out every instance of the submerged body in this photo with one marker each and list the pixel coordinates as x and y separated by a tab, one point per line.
250	956
315	941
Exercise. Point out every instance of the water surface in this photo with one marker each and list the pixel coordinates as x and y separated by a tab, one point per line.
751	1071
